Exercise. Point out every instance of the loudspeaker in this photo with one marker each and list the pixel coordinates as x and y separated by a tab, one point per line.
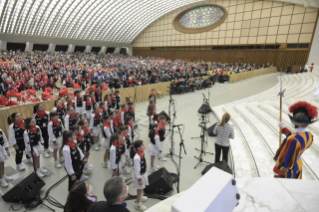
160	182
165	114
215	191
204	109
221	165
24	191
210	130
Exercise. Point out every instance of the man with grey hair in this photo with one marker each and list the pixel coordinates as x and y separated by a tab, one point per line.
115	192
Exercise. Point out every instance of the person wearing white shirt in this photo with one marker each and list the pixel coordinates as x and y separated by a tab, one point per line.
139	177
107	133
74	158
34	144
55	130
4	155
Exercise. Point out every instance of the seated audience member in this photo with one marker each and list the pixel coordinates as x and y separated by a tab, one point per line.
115	192
79	198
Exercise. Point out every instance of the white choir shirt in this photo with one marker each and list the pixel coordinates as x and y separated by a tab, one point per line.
68	160
50	130
26	139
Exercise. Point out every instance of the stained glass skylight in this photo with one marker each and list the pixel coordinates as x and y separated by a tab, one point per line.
201	17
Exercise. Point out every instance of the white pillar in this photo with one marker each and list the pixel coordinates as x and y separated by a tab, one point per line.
88	48
314	51
103	50
117	50
129	50
51	47
28	47
3	45
71	48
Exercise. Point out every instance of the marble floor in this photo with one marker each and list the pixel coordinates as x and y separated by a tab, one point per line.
266	195
221	96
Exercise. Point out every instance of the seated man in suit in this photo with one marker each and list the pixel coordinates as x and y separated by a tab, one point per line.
115	192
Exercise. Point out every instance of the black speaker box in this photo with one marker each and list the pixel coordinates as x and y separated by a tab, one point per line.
204	109
160	182
211	129
24	191
165	114
221	165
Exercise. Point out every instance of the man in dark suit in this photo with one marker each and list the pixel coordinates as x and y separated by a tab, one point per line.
115	192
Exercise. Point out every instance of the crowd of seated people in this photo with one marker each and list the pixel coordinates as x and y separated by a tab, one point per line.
40	71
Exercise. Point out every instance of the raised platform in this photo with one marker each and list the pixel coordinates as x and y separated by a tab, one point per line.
266	194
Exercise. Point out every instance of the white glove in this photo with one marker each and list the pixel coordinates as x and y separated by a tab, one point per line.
280	124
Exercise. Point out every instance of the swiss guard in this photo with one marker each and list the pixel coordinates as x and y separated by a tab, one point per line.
288	156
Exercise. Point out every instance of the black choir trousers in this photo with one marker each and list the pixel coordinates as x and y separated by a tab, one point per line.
218	150
46	142
78	177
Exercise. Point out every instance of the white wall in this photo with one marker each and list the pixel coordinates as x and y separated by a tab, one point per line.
314	51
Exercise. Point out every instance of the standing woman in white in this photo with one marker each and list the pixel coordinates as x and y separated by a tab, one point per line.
4	155
224	132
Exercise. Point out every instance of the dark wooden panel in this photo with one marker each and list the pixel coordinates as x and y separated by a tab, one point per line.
281	58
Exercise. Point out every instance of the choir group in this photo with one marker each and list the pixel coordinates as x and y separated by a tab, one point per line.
78	124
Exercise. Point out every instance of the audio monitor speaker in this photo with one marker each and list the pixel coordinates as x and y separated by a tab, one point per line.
221	165
24	191
160	182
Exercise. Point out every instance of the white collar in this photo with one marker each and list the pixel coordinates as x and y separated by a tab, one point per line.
300	130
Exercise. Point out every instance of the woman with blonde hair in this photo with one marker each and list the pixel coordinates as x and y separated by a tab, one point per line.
224	131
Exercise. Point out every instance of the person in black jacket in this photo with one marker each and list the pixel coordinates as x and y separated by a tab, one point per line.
115	192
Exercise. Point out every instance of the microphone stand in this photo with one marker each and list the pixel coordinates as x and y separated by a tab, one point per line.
38	200
202	150
181	146
171	127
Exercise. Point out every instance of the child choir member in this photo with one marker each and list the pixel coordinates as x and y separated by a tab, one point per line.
69	102
85	132
123	112
70	118
87	108
42	118
74	159
16	130
139	177
118	100
34	144
59	109
95	126
117	164
55	130
155	147
4	155
78	106
84	146
93	100
107	133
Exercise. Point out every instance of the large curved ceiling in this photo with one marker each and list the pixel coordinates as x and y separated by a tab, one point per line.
94	20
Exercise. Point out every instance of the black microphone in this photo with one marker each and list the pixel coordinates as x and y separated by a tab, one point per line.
178	125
